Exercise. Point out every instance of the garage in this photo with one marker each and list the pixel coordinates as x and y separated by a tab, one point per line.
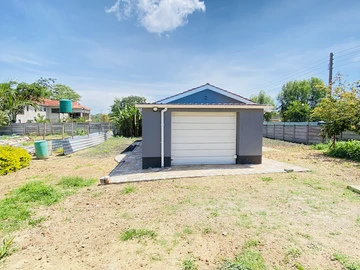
202	125
203	138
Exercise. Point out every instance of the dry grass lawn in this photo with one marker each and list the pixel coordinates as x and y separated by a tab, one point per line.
275	221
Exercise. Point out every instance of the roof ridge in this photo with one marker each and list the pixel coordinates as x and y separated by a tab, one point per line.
181	93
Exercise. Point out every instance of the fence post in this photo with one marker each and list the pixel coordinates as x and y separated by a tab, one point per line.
283	131
267	130
294	133
274	132
308	133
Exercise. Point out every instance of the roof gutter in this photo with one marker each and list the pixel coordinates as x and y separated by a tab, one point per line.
204	106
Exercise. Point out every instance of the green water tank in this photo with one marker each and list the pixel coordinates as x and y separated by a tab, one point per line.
41	149
65	106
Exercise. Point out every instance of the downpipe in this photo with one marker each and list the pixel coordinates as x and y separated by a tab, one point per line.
162	137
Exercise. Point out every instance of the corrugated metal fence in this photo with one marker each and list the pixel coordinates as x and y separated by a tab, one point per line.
52	128
76	144
301	132
83	142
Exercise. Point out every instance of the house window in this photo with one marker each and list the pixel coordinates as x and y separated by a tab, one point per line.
55	110
44	109
27	108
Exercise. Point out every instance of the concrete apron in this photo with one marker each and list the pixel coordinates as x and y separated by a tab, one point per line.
131	170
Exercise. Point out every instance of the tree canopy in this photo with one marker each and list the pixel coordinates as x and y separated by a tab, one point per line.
263	98
15	96
126	116
296	93
340	109
61	91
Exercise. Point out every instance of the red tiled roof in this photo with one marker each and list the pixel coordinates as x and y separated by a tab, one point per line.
56	103
202	86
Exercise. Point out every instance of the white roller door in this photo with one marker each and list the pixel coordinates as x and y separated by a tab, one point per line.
203	138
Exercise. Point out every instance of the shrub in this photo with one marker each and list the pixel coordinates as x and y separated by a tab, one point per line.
80	132
321	146
348	150
13	159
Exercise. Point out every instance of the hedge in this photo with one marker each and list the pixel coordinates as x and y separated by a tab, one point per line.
13	159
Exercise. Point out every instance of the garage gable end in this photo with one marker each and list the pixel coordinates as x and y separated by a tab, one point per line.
206	94
206	97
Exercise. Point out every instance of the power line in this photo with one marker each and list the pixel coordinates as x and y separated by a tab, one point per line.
303	69
300	76
348	49
347	59
297	75
351	53
347	64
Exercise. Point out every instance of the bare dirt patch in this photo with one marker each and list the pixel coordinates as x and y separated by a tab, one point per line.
295	219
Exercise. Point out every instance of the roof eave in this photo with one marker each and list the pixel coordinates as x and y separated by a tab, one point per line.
204	106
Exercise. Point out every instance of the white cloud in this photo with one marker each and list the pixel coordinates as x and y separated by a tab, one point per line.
157	16
15	58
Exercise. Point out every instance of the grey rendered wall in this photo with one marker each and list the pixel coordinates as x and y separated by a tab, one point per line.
206	96
151	137
248	137
249	133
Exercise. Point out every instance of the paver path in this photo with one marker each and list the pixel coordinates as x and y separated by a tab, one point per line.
130	170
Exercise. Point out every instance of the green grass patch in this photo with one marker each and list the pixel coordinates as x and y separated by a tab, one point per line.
252	243
248	259
128	189
113	145
75	182
346	262
207	230
16	208
267	179
189	264
293	252
187	230
137	234
5	248
37	192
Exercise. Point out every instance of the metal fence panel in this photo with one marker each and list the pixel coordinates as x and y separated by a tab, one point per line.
302	132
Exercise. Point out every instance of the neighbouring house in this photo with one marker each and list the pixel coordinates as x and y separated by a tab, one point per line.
204	125
50	109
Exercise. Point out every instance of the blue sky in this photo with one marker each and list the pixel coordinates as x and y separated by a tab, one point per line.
155	48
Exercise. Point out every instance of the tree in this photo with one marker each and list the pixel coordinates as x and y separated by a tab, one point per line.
61	91
4	119
263	98
121	103
340	109
126	116
308	92
41	119
15	96
100	117
298	112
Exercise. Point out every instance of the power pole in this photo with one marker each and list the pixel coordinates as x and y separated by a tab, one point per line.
331	64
